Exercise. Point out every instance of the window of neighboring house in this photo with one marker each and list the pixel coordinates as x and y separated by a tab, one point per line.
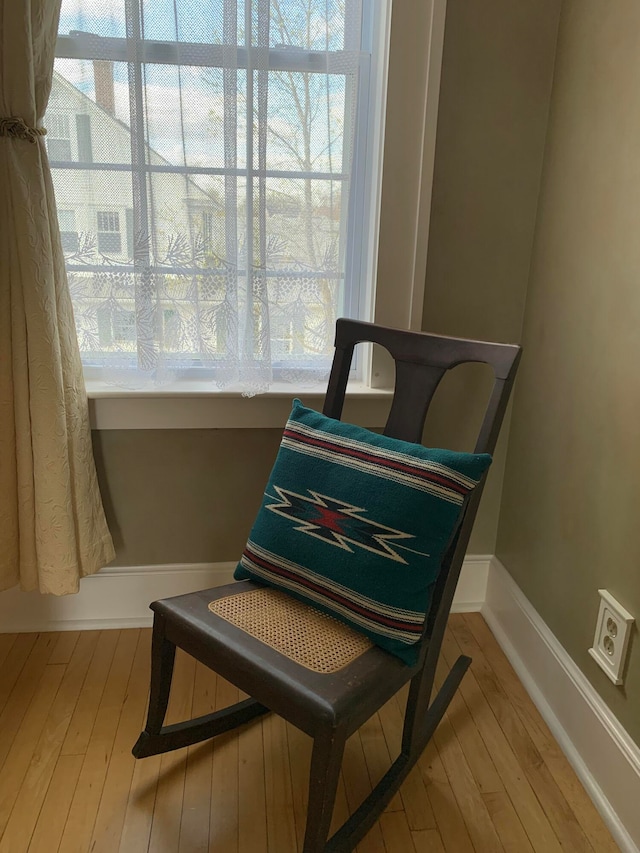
207	226
109	239
116	326
58	136
68	232
83	130
202	224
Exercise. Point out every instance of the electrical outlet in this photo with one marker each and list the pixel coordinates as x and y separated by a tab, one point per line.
611	639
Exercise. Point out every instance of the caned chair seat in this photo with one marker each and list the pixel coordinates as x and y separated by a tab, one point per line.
258	668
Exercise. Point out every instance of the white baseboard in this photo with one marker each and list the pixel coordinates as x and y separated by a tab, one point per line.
603	755
115	597
472	584
119	597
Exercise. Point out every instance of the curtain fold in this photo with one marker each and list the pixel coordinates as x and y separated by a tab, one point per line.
52	525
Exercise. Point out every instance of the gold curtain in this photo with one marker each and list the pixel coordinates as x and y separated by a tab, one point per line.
52	525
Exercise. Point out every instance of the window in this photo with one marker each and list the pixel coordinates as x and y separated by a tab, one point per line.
68	233
116	325
109	240
58	136
83	129
234	140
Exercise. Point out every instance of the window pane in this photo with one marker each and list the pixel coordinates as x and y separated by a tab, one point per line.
187	20
109	243
59	149
98	96
104	18
69	240
85	150
67	220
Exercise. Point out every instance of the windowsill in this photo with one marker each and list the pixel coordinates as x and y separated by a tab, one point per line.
195	405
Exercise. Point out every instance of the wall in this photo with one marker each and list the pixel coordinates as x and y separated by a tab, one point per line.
494	99
190	496
568	523
182	495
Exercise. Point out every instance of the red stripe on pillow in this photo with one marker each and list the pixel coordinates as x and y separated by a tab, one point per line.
372	615
378	460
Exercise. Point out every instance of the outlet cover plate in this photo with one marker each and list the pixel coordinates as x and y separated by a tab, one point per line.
611	640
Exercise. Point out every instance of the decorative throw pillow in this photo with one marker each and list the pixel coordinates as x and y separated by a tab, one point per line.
356	523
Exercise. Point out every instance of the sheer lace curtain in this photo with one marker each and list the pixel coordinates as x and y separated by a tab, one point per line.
52	526
202	155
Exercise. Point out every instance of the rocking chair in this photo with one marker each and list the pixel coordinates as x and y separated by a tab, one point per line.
331	707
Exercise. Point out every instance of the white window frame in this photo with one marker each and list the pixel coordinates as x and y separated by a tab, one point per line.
394	249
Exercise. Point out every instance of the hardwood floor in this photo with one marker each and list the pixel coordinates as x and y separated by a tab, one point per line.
72	705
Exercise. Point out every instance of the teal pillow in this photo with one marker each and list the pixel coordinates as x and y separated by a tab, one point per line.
356	524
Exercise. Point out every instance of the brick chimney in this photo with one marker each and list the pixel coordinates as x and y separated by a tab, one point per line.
103	78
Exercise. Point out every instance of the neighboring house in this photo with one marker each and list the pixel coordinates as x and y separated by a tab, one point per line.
85	132
100	235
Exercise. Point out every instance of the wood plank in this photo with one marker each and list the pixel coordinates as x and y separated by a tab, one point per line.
84	806
45	756
562	772
6	644
413	793
281	829
300	746
84	715
196	806
474	811
165	829
12	666
24	677
396	832
428	841
23	745
140	806
472	807
508	826
529	810
557	810
53	815
223	825
357	786
64	647
473	747
252	808
451	825
109	821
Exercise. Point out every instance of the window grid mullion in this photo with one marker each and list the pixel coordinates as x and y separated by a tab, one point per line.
203	55
143	280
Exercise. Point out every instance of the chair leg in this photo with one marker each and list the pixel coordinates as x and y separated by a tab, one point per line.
156	738
420	724
326	762
423	713
163	655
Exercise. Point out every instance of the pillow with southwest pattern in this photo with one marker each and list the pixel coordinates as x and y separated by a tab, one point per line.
356	523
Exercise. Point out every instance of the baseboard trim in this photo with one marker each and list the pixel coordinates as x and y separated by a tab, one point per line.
119	596
115	597
601	752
